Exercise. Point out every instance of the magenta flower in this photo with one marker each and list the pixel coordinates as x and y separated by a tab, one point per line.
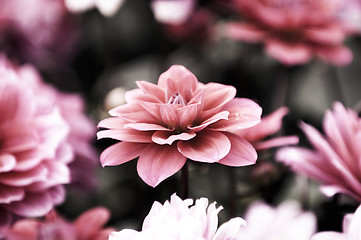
335	160
177	219
88	226
49	19
34	153
293	31
269	125
351	229
287	221
177	119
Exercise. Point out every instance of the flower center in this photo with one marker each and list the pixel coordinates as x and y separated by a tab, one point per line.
177	98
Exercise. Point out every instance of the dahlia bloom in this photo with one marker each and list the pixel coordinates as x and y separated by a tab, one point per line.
172	11
49	19
351	229
82	130
177	119
287	221
34	153
177	219
293	31
88	226
106	7
269	125
335	160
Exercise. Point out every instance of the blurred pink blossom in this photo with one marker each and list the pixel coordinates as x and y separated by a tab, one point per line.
351	229
106	7
88	226
269	125
37	31
177	219
293	31
34	153
177	119
287	221
335	160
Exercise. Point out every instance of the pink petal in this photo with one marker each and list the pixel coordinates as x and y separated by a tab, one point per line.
7	162
136	95
215	118
112	123
244	113
276	142
169	116
162	137
29	159
178	79
330	35
120	153
19	139
290	54
129	135
88	224
337	55
33	205
146	127
188	114
207	146
10	194
215	97
157	163
152	89
245	32
242	153
129	234
18	179
268	126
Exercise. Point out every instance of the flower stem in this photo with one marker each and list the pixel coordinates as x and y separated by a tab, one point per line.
184	191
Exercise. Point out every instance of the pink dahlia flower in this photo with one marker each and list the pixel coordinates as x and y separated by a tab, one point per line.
351	229
269	125
287	221
177	219
106	7
335	160
293	31
88	226
34	153
176	119
36	31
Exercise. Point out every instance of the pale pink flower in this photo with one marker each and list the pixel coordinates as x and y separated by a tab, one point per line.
106	7
177	119
335	160
269	125
37	31
172	11
34	153
179	219
351	229
293	31
88	226
285	222
82	129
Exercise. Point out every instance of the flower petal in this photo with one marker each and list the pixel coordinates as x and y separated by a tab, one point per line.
290	54
242	153
245	32
94	219
129	135
152	89
157	163
230	229
146	127
337	55
163	137
244	113
10	194
7	162
120	153
207	146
